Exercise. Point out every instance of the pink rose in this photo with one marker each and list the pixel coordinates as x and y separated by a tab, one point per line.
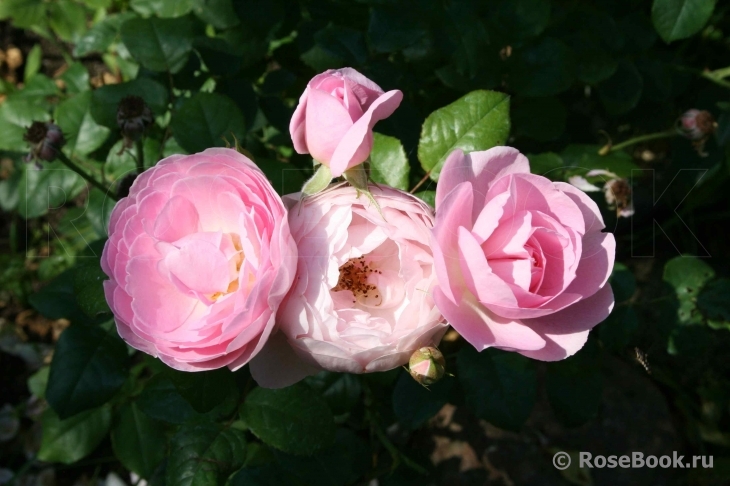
335	117
199	258
361	301
521	261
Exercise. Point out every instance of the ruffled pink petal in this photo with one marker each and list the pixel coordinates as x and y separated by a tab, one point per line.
565	332
479	168
327	121
452	215
483	329
298	126
355	146
177	219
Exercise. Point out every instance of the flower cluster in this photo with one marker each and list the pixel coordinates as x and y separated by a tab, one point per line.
209	267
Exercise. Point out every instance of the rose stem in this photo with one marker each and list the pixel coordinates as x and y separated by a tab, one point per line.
632	141
140	156
68	163
420	183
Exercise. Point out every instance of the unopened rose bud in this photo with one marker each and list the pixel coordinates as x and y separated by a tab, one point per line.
133	118
45	140
697	125
427	365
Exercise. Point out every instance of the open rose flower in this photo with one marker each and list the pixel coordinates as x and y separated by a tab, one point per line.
199	257
335	117
361	300
521	261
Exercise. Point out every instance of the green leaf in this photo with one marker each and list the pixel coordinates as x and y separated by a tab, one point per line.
106	99
83	134
623	283
218	13
67	19
392	29
203	454
159	44
388	162
56	300
284	177
89	366
38	382
341	391
547	164
205	389
138	440
76	78
33	62
46	189
219	56
575	385
499	386
429	197
687	275
88	286
517	20
101	35
477	121
23	112
594	64
11	135
69	440
679	19
164	8
207	120
161	400
622	91
580	159
294	419
25	13
341	464
540	118
543	68
414	404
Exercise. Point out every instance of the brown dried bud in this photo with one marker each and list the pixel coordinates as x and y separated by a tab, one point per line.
45	140
696	125
618	197
133	118
427	365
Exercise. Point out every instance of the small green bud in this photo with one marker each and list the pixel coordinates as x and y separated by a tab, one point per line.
427	365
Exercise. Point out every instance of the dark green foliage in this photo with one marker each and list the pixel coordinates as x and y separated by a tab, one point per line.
559	80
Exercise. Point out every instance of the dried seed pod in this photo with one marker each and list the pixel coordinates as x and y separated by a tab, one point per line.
133	118
45	140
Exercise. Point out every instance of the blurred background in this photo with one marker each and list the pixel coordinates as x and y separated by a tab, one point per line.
628	99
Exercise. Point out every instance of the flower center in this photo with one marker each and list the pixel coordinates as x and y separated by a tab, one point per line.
235	262
354	276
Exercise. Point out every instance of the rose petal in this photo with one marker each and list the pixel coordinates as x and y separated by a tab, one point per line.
354	146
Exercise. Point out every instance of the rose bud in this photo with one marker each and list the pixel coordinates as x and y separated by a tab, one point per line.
199	257
697	125
362	299
45	140
522	263
133	118
427	365
335	117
